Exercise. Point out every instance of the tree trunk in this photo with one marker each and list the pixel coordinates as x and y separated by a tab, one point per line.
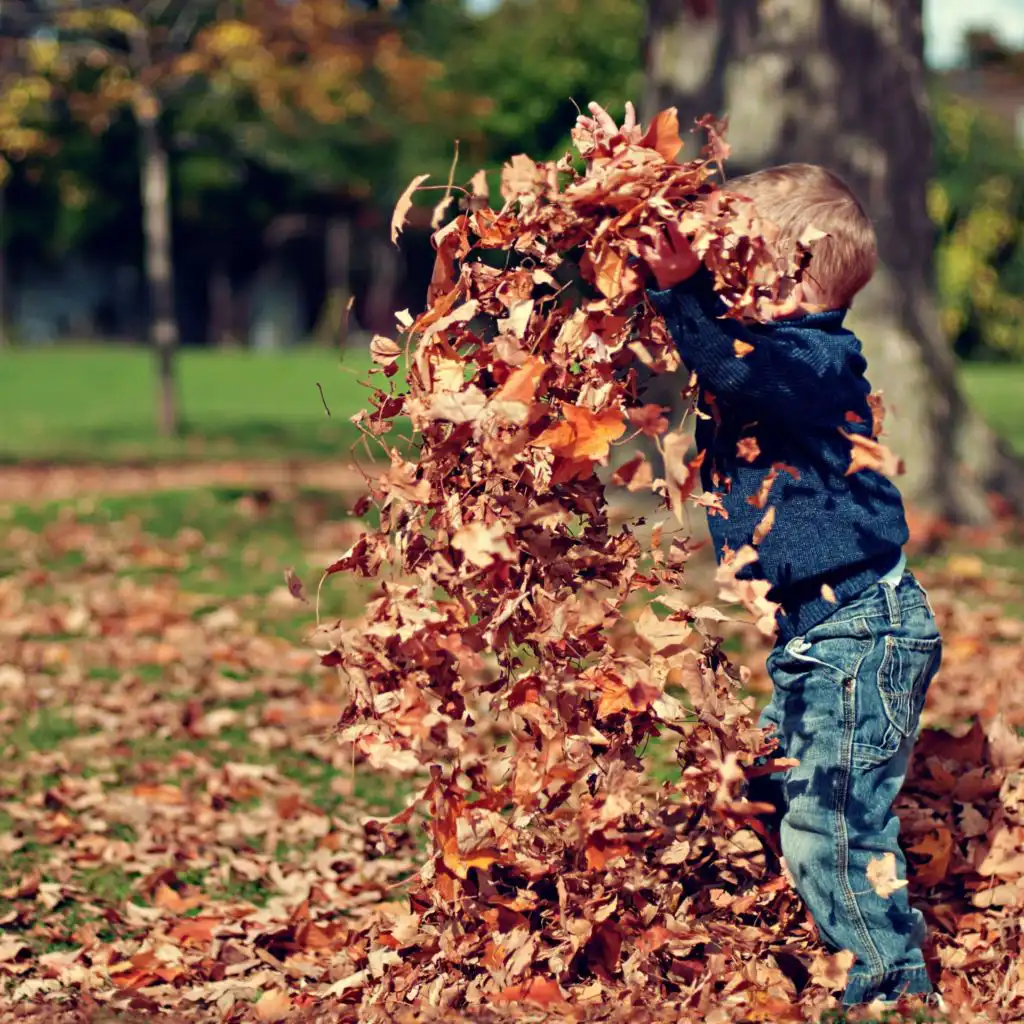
221	301
163	324
4	338
384	273
334	321
842	83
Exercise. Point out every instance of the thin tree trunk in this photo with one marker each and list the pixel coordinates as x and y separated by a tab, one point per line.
384	272
842	83
4	337
156	215
334	322
221	301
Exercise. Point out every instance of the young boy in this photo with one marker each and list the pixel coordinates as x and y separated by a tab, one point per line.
857	644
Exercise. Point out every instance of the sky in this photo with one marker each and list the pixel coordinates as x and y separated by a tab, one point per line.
944	23
946	20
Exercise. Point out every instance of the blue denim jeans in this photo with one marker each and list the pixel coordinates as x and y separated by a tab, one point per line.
846	703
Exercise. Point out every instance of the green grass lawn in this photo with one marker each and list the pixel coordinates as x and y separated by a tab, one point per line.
98	403
997	391
73	404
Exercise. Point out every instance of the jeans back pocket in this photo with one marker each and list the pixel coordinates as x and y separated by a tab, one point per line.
907	667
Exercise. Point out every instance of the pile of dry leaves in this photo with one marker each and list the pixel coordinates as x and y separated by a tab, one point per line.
510	612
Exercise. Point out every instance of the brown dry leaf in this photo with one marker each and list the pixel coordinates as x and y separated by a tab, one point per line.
649	419
935	849
383	351
274	1005
522	383
742	348
680	477
832	971
404	205
764	527
748	449
583	434
539	991
635	475
483	543
159	794
882	875
295	586
867	453
663	134
877	407
478	185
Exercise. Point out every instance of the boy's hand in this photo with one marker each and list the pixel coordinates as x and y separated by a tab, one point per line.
604	128
600	132
671	258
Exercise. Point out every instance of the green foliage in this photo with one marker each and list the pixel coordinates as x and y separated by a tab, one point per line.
532	58
247	149
977	204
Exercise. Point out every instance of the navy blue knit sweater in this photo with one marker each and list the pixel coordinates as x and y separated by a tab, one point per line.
791	394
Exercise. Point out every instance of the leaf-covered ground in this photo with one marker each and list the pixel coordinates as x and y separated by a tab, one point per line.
180	833
166	769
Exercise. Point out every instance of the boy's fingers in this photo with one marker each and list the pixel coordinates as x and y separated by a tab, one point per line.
604	120
676	238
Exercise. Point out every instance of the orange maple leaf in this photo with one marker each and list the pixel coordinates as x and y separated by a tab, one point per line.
459	864
663	134
522	383
583	434
540	991
937	849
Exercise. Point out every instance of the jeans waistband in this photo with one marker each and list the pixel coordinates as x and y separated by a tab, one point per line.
805	606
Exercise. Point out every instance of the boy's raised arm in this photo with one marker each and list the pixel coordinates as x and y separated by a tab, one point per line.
775	366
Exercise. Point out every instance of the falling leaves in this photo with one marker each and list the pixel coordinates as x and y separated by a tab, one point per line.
663	134
748	449
404	205
867	453
681	477
764	526
583	434
295	586
482	542
882	875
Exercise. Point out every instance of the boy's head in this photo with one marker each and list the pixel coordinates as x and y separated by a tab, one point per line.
794	198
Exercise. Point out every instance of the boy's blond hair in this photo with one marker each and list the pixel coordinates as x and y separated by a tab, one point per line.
798	197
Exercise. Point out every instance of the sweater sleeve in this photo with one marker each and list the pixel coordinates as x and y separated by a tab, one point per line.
791	369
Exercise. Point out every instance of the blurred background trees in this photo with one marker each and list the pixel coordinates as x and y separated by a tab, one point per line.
844	84
221	172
